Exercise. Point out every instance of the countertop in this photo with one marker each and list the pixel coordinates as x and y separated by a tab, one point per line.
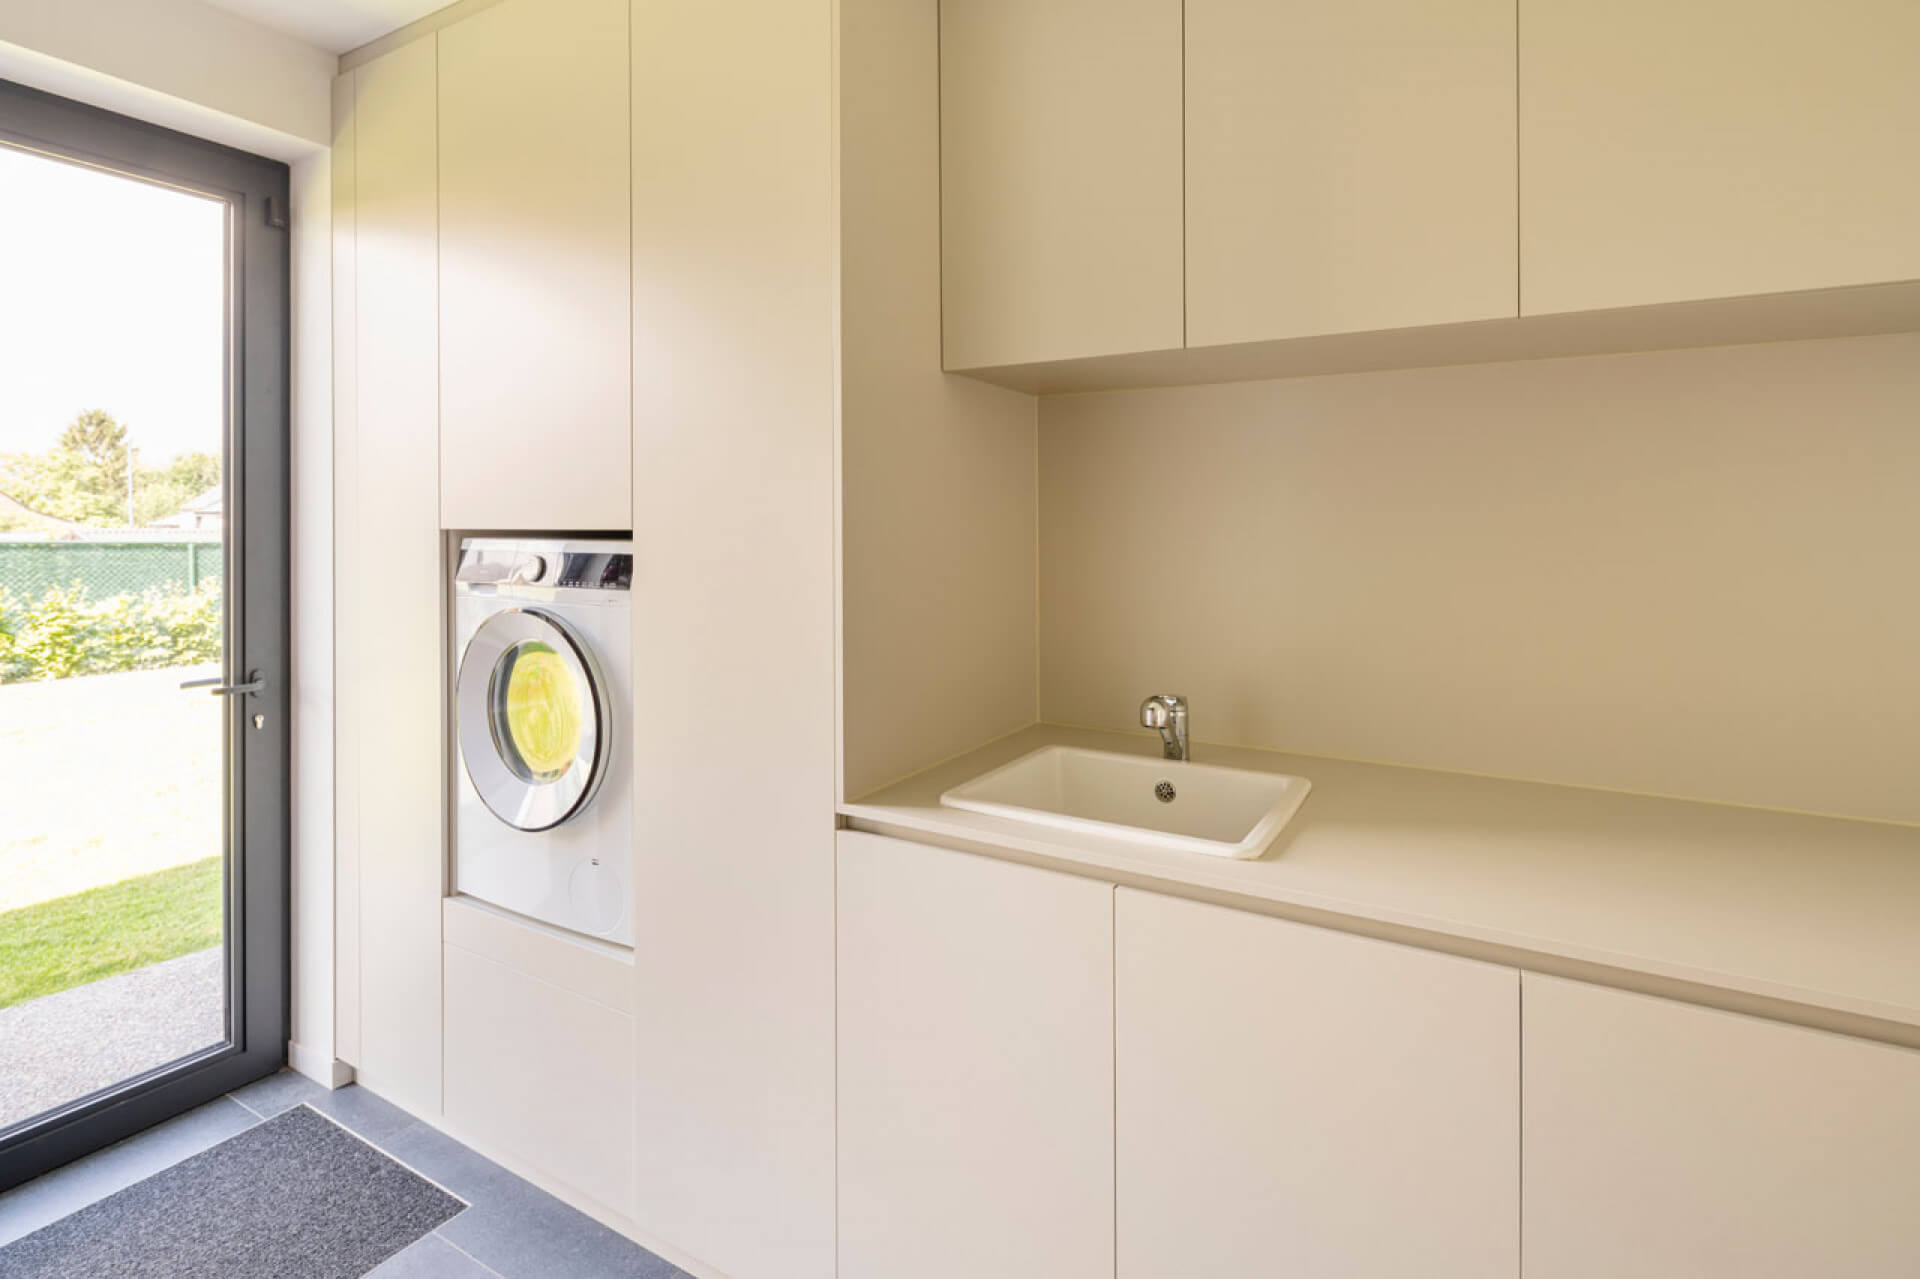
1813	911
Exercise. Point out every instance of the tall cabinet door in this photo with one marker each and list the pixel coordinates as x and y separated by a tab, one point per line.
976	1067
1715	148
535	235
393	842
1669	1141
1349	166
734	223
1291	1100
1060	179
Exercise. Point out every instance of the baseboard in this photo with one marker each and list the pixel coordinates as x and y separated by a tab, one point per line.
318	1065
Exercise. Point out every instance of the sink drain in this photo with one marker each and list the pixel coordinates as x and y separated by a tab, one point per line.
1164	792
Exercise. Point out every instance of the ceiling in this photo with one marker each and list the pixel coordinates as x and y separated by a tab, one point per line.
333	25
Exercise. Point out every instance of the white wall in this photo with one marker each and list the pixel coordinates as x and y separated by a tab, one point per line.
937	472
207	72
179	63
1688	572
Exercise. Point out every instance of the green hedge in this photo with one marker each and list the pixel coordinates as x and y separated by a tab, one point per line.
63	634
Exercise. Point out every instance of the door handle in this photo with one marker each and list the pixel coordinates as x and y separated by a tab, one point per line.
220	688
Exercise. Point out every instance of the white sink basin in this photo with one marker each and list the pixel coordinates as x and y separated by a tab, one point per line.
1202	808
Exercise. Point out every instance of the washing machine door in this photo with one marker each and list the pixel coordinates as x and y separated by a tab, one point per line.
533	718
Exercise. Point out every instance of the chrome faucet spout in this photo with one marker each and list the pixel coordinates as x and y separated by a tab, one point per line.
1167	713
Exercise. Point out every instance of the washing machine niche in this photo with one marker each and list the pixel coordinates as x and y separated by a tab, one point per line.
542	642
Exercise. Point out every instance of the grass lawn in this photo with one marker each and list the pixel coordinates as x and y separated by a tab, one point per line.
70	941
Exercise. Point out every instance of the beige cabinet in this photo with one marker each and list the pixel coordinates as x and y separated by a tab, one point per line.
1669	1141
536	349
1294	1100
1060	179
392	787
1715	148
734	226
346	552
976	1067
1348	166
538	1069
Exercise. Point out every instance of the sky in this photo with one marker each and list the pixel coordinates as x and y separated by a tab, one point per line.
110	298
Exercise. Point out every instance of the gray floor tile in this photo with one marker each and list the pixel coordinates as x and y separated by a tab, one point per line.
516	1228
512	1231
43	1200
362	1112
431	1258
525	1233
441	1159
277	1092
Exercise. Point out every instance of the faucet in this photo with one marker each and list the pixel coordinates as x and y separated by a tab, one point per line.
1167	712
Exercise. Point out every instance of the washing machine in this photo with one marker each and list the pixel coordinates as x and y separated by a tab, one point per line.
542	649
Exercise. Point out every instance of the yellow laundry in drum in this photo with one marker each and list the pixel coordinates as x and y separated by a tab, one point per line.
543	711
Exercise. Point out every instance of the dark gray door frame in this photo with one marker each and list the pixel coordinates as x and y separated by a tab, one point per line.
258	629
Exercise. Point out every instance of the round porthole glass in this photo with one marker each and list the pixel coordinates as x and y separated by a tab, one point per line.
537	712
533	718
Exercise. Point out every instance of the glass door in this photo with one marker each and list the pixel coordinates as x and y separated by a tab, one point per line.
143	625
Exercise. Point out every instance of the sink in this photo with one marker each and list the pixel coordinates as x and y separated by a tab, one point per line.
1195	808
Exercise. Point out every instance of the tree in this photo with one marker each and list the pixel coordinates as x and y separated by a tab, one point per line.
100	443
197	471
161	491
83	477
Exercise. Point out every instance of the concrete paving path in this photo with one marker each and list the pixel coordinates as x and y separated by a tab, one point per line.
66	1045
107	777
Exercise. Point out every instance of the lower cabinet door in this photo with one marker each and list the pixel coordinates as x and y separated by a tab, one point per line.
542	1074
1666	1141
1301	1102
975	1067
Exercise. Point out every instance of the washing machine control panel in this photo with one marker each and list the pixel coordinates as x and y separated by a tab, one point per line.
596	572
562	566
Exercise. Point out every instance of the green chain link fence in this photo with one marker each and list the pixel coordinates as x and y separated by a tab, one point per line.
102	570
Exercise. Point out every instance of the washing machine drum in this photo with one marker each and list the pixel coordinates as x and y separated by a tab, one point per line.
533	719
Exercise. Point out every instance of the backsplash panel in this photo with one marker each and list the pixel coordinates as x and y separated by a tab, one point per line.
1693	573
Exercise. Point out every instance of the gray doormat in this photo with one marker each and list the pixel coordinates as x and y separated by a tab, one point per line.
294	1197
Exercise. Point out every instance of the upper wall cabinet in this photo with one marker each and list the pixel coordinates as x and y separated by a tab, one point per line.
1716	148
1155	192
1060	179
535	268
1348	166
